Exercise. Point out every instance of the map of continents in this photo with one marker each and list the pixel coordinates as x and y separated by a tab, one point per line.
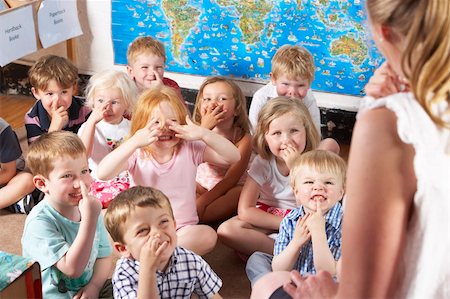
238	38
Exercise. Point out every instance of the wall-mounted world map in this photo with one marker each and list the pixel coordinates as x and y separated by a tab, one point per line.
238	38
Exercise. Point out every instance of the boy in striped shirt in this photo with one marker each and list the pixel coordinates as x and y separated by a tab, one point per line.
53	82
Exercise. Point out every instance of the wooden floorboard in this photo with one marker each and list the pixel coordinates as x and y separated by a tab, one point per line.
13	109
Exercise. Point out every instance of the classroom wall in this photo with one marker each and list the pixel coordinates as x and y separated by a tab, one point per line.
94	53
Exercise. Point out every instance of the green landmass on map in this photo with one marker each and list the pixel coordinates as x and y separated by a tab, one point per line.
182	19
353	48
252	17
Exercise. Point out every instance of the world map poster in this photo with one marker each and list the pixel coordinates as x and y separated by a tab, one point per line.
239	38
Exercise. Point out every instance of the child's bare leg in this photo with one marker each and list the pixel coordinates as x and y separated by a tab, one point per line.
244	237
329	144
19	186
201	239
223	207
266	285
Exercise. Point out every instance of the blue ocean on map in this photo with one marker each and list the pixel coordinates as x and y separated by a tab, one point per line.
239	38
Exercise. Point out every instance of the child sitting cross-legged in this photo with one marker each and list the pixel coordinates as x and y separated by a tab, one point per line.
65	231
309	238
142	225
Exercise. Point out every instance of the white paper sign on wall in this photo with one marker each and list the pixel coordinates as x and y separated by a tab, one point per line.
17	34
58	21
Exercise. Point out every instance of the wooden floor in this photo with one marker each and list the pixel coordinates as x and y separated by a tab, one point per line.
13	109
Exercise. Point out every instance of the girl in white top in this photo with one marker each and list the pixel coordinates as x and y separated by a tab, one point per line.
221	107
284	130
163	152
111	95
396	233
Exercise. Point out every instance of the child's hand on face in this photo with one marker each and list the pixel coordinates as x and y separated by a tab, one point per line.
89	206
147	135
190	131
288	155
97	113
158	79
150	255
59	116
212	116
316	222
301	233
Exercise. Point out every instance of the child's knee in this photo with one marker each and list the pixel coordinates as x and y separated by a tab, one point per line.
209	236
329	144
226	229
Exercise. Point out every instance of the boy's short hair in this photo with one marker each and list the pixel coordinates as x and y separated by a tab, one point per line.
321	161
50	146
293	62
52	67
145	45
112	79
121	207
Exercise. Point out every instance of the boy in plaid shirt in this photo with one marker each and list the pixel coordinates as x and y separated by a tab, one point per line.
309	238
141	223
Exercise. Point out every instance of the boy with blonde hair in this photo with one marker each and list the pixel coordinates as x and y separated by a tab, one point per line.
53	82
309	238
65	231
146	59
292	74
141	223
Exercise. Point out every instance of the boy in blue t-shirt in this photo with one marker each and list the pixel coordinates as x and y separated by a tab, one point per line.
65	231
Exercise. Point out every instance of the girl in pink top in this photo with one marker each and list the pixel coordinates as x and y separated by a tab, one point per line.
163	152
221	107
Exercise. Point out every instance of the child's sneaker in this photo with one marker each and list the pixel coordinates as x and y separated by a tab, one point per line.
21	206
24	205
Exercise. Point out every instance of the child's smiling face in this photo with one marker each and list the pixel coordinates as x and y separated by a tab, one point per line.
54	96
147	224
62	186
164	115
284	131
313	187
145	70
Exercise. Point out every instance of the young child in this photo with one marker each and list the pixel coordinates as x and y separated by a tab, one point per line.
141	223
164	151
285	129
54	82
309	239
146	59
221	107
111	95
292	74
65	231
15	183
396	231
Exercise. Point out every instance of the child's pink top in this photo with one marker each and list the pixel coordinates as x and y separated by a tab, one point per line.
176	178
